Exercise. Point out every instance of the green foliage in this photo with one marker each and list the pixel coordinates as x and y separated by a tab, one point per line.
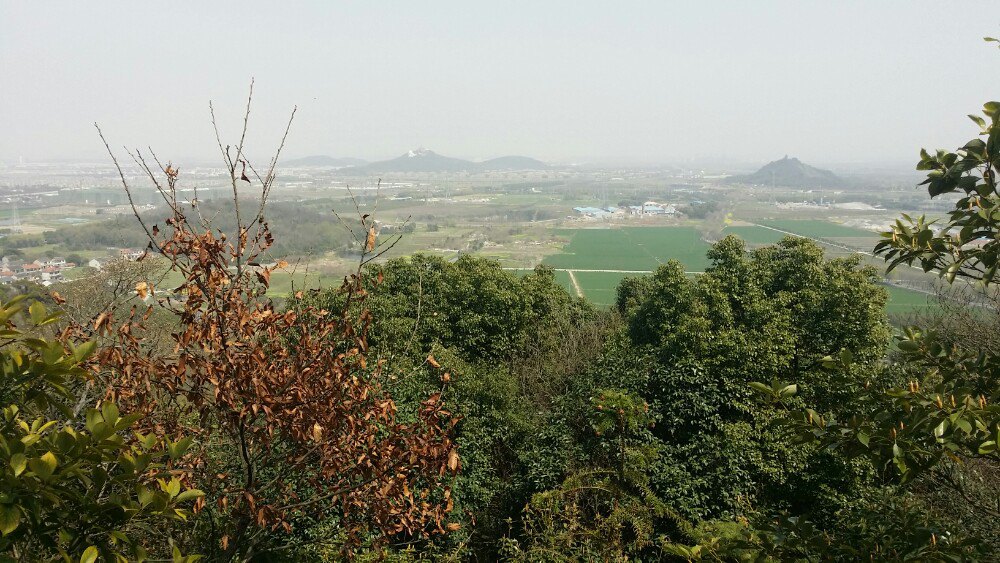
117	232
695	345
605	509
698	210
916	427
618	414
529	326
298	231
630	293
937	436
510	347
882	531
965	246
75	483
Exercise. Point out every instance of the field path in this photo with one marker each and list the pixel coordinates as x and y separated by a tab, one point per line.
576	285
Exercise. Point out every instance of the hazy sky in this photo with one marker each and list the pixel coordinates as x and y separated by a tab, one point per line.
658	82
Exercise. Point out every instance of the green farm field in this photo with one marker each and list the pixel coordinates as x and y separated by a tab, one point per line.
819	229
643	249
755	235
630	248
600	287
902	300
563	278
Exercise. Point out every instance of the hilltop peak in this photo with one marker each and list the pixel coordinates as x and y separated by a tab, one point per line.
790	172
419	152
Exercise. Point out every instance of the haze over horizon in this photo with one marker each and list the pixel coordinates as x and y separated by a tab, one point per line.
562	82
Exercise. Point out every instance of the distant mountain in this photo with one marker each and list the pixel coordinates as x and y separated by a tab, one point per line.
325	161
424	160
791	173
420	160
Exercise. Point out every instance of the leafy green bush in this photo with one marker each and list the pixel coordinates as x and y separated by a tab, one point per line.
75	482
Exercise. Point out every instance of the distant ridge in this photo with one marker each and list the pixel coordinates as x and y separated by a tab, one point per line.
420	160
790	173
325	161
425	160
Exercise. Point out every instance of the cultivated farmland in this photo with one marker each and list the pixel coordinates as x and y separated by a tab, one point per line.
630	249
902	300
755	235
594	261
818	229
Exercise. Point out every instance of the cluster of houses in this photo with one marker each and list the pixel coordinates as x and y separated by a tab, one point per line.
647	208
47	272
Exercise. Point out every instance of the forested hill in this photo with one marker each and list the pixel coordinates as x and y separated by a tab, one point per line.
791	173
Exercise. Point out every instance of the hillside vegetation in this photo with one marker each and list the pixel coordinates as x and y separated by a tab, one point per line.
792	173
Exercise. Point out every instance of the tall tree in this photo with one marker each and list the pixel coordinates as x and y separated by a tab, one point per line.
696	344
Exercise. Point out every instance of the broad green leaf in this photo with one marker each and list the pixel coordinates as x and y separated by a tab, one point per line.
93	419
179	448
815	418
172	488
146	496
37	312
189	494
18	462
83	351
43	466
846	357
941	428
110	413
89	555
964	425
10	517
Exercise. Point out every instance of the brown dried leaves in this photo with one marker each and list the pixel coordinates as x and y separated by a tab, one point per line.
247	376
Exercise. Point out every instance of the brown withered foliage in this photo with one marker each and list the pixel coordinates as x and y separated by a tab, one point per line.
287	397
